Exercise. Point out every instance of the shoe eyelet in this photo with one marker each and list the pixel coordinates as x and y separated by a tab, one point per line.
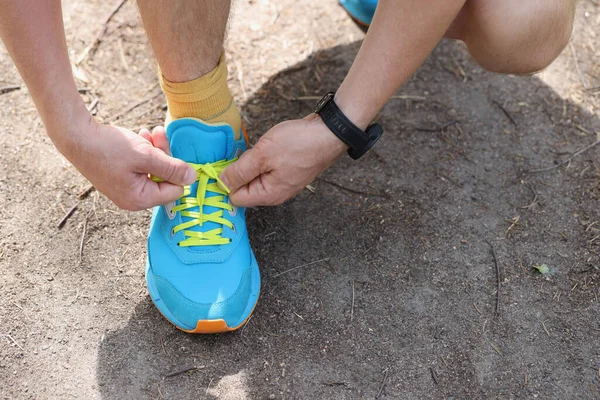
233	211
233	228
173	234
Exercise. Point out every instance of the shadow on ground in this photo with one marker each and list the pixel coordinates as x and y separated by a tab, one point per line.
400	298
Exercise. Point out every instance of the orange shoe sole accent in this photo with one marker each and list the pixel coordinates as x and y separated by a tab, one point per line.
216	325
245	135
207	326
362	25
210	326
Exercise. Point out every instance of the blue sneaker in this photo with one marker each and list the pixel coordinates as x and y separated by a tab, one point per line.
361	11
201	272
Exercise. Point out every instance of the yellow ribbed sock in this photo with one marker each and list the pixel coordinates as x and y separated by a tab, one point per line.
207	98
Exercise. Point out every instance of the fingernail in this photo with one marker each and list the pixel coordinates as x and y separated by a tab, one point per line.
190	176
224	180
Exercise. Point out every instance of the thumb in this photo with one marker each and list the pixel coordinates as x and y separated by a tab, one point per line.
250	165
170	169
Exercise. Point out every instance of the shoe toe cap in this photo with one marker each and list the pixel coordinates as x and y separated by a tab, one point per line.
231	308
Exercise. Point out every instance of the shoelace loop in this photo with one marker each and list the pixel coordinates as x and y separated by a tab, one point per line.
205	172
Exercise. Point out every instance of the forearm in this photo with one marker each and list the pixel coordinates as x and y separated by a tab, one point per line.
33	33
402	35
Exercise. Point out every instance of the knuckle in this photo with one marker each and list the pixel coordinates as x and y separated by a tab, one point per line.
144	152
239	172
263	148
263	157
170	170
143	157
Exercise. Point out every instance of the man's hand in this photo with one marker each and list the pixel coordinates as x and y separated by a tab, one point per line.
117	162
286	159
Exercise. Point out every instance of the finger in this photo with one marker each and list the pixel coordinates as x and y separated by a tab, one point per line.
242	198
159	139
250	165
170	169
145	133
253	194
154	194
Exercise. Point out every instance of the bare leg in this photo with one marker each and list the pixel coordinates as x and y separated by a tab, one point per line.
186	35
187	39
514	36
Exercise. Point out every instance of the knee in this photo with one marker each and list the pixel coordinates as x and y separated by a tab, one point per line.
517	36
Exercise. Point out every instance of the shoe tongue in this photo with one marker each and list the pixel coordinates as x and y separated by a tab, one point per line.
195	142
198	143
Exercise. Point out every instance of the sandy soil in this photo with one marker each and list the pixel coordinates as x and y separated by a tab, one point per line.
394	292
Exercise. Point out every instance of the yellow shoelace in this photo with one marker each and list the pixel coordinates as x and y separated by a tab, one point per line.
198	218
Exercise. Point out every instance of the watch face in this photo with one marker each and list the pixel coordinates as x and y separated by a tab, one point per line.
324	101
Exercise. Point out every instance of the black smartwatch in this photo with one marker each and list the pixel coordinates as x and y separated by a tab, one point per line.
358	140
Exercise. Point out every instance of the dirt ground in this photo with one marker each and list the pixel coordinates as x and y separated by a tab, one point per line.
380	284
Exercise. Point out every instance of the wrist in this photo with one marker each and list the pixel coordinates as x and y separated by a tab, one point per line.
353	108
335	145
359	140
67	125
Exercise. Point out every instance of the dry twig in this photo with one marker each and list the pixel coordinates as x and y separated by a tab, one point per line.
510	117
433	375
8	89
243	330
398	96
532	203
567	161
385	375
64	219
497	278
13	340
577	67
183	371
496	348
122	55
136	105
514	223
208	387
408	97
300	266
85	192
352	307
93	105
440	128
91	48
370	194
545	329
85	221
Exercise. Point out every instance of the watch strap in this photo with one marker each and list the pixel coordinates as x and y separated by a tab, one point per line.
358	141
